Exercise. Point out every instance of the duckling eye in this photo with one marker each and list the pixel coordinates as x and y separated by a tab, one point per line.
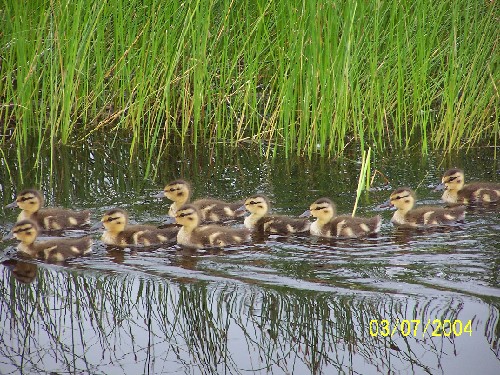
112	219
451	179
183	214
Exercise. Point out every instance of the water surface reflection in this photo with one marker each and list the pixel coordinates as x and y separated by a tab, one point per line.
280	305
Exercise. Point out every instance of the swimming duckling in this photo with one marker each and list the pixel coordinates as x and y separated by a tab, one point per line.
56	250
260	221
179	191
195	236
30	201
330	225
117	232
456	192
404	200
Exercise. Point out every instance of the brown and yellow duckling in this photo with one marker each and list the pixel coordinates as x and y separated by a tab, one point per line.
403	199
56	250
260	221
327	224
179	191
193	235
118	232
31	201
455	190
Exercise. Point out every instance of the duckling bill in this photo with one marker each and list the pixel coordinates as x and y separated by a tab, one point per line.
456	191
57	250
31	201
327	224
260	221
192	235
118	232
403	199
210	210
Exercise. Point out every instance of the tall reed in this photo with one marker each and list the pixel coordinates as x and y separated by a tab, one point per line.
309	76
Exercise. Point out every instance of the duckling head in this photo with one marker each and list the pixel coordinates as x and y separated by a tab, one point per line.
323	209
257	205
30	200
177	191
115	220
403	199
453	180
26	231
187	216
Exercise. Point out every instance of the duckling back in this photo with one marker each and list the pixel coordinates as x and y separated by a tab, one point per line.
58	218
212	210
277	224
62	249
479	192
145	235
433	215
348	227
214	236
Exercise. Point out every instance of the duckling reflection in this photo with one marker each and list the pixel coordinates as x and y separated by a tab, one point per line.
56	250
179	191
22	271
455	190
327	224
260	221
403	199
31	201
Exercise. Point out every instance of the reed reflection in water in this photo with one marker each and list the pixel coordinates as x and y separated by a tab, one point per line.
70	321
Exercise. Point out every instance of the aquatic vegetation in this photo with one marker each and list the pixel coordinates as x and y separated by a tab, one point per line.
310	77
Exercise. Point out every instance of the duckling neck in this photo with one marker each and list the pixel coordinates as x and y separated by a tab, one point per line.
399	216
176	205
27	249
251	220
24	215
450	196
109	237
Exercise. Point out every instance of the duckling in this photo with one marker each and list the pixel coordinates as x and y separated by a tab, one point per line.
260	221
117	232
403	199
456	192
330	225
195	236
179	191
56	250
30	201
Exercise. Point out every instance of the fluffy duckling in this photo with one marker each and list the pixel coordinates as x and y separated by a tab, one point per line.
260	221
31	201
403	199
56	250
455	190
118	232
330	225
179	191
193	235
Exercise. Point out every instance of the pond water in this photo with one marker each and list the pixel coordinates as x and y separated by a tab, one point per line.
293	305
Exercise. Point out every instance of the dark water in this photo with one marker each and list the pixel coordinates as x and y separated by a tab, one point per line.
293	305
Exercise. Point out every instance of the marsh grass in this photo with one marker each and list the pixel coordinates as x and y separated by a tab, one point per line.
309	77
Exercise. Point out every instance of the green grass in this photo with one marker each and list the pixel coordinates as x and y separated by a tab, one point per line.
309	77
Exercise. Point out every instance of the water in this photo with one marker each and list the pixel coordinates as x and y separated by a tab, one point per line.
281	305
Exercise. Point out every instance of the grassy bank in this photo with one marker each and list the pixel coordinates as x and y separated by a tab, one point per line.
310	76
